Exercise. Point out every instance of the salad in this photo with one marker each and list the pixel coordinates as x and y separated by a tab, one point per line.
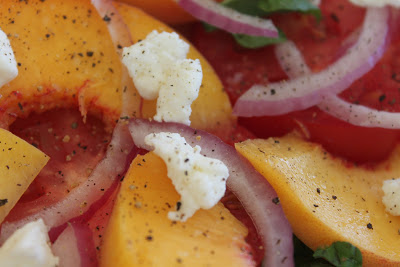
300	105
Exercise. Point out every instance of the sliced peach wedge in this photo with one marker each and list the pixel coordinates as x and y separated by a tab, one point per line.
326	200
20	163
140	233
167	11
212	109
65	58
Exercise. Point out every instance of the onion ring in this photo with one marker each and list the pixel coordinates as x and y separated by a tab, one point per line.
228	19
112	166
251	188
309	90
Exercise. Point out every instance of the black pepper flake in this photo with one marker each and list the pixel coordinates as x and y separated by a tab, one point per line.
20	106
273	91
318	191
369	226
335	18
8	167
149	238
106	18
89	53
276	200
382	98
396	77
315	205
178	205
47	35
3	202
334	197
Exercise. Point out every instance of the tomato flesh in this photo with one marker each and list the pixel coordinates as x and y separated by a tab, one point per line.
321	43
74	148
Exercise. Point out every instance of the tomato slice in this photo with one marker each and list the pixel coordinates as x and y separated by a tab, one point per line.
74	148
321	43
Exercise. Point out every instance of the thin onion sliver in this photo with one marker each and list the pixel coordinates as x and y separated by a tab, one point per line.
250	187
229	19
309	90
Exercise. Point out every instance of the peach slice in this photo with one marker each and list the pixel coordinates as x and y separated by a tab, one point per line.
20	163
140	234
167	11
212	108
327	200
65	55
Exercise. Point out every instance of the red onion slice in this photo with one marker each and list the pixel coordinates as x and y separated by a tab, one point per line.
332	104
358	114
79	200
228	19
75	247
291	60
251	188
309	90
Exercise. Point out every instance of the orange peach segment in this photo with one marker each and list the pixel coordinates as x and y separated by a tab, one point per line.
212	108
167	11
65	55
327	200
20	163
140	234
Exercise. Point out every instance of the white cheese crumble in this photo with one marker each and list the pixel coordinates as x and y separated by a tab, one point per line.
391	197
8	64
376	3
159	68
201	181
28	246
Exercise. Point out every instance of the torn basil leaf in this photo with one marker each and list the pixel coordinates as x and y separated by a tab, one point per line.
249	41
340	254
262	8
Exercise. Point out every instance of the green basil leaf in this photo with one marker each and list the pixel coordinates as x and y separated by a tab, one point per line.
249	7
340	254
261	8
304	6
249	41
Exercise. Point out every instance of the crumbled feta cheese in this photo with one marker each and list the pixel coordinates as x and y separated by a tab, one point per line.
28	246
391	198
159	68
8	64
201	181
376	3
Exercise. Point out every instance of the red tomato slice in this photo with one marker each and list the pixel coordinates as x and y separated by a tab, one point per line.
74	148
321	44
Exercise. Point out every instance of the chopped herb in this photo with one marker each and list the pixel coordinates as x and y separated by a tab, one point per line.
369	226
74	125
